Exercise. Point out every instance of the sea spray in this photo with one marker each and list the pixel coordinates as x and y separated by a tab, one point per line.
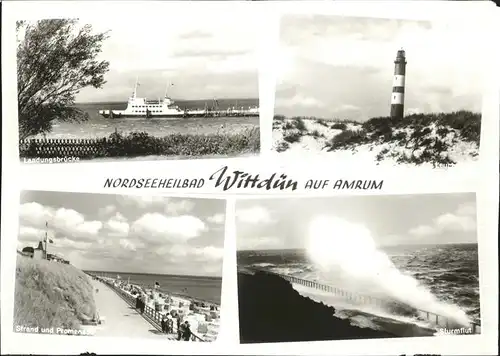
346	252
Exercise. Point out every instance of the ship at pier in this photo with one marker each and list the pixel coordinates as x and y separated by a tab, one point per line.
166	108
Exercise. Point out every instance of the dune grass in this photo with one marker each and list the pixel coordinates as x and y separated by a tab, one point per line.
141	144
51	294
420	138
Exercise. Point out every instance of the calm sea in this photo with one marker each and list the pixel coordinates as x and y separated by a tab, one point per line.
447	273
204	288
98	126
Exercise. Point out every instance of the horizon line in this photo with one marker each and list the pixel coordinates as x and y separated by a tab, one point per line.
159	274
399	245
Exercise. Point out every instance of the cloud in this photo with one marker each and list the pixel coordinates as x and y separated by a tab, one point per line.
168	205
260	242
151	240
63	221
35	214
462	220
72	222
129	245
158	228
299	100
179	206
30	234
254	215
118	226
323	47
107	210
143	201
209	53
219	218
183	252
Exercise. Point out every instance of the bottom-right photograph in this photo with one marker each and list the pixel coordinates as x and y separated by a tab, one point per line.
357	267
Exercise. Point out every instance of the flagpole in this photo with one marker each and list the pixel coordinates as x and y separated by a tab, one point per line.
46	228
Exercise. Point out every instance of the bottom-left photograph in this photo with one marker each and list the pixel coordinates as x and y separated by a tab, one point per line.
119	265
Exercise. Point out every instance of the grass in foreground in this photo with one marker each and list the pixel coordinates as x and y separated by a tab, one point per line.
416	139
137	144
50	294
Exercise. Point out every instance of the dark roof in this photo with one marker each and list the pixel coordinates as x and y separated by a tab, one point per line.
28	249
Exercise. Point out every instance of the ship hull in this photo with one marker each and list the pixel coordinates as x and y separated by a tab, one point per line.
128	116
176	116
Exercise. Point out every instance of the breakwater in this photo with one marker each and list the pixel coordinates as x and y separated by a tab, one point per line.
438	321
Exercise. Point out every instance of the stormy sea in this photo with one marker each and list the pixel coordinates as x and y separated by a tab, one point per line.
97	126
441	279
203	288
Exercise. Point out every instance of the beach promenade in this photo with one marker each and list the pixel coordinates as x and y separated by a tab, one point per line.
119	318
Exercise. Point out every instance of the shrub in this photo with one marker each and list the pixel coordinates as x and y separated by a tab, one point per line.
339	126
282	147
300	124
136	144
316	134
347	138
292	137
322	122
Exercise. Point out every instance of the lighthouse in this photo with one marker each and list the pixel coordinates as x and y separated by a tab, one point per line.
398	86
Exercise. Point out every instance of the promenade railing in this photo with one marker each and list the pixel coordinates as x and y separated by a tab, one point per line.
150	314
355	298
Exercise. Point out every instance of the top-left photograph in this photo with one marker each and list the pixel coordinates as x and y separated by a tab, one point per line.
148	88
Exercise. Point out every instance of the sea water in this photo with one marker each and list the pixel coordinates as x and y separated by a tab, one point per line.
97	126
448	273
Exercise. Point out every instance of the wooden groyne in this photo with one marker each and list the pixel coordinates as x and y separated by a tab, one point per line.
439	321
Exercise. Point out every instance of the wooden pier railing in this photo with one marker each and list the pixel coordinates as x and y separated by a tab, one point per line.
355	298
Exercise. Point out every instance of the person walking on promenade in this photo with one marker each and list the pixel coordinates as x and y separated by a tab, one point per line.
186	333
143	304
170	324
164	324
138	302
180	330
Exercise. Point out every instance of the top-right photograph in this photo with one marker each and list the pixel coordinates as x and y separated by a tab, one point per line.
375	91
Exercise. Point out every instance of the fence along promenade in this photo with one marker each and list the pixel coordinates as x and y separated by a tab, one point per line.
151	315
436	319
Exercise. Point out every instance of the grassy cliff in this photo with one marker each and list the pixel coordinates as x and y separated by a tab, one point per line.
441	139
50	294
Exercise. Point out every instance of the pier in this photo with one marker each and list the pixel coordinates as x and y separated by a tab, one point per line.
439	321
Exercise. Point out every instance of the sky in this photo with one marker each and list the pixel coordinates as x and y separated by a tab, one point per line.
343	67
201	56
391	220
136	234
